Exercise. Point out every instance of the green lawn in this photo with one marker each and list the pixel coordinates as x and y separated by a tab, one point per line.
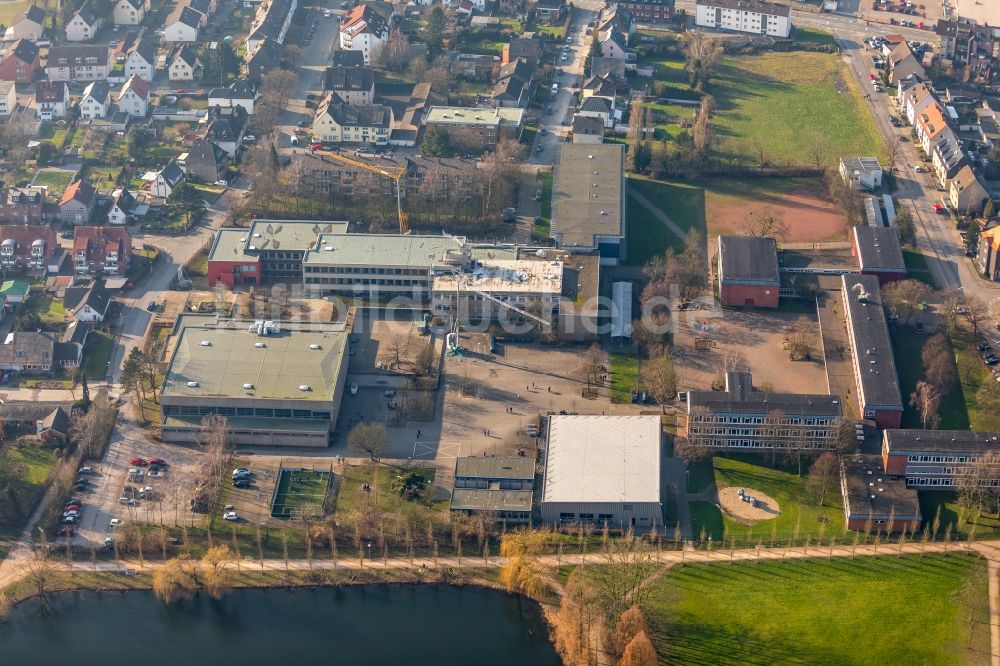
811	36
798	513
706	521
624	377
24	494
700	475
910	610
56	181
97	351
352	499
968	525
980	391
10	10
907	346
683	203
792	104
51	311
916	267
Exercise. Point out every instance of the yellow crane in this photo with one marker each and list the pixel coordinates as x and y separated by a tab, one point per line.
395	173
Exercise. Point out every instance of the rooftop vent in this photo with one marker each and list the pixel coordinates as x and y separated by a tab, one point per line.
248	387
192	384
305	387
206	343
259	345
314	346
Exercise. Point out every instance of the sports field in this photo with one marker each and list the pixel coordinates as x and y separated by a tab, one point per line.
796	106
885	610
298	489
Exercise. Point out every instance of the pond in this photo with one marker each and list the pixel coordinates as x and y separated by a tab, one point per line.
398	624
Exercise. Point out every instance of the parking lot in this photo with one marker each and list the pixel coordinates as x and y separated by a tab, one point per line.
708	344
167	504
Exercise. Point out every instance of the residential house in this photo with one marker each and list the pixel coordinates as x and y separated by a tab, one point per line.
130	12
184	65
947	159
931	126
241	93
141	61
916	100
225	127
363	29
476	128
609	68
514	86
353	85
29	24
95	101
348	58
88	303
971	50
85	23
182	25
588	129
519	48
27	352
614	15
613	44
600	86
271	21
51	100
166	180
20	62
78	202
206	162
54	427
337	122
123	207
101	250
8	98
966	193
78	62
21	204
133	98
599	107
903	62
471	66
261	60
757	17
861	173
650	11
549	11
988	257
27	247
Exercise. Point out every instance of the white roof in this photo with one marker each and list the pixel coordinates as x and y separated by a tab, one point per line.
603	459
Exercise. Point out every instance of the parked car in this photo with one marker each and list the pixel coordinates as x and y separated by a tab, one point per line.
85	470
127	501
241	483
157	461
71	514
69	520
222	183
116	522
138	462
240	470
230	515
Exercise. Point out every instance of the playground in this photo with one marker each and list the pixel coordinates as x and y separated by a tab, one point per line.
300	490
747	506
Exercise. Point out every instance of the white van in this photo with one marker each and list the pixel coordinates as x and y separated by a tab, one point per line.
555	88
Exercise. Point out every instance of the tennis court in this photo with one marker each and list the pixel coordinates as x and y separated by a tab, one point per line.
298	489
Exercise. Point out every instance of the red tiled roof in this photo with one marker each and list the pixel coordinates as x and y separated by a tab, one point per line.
80	190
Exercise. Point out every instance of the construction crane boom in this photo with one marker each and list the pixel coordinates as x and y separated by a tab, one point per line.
496	300
394	173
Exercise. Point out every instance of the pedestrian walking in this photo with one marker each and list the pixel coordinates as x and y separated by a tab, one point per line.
418	434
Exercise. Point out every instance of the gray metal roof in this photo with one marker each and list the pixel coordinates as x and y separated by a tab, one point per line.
492	467
965	441
231	359
390	250
879	249
588	194
748	259
872	348
603	459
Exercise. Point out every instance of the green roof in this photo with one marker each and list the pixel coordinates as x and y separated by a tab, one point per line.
222	359
390	250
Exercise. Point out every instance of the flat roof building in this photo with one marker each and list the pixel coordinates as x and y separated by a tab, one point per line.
278	383
875	376
879	253
588	200
603	470
873	501
474	126
861	173
740	418
935	459
748	271
501	486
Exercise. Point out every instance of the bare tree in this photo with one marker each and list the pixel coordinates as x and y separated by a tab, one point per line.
800	339
397	347
767	222
659	377
218	570
174	581
823	476
704	53
926	399
370	438
39	574
904	297
952	304
976	312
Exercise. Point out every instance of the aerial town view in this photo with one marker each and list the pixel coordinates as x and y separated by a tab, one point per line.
593	332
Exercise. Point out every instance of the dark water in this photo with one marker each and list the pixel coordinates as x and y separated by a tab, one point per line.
402	624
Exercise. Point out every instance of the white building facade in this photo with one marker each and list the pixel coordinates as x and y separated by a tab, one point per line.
752	16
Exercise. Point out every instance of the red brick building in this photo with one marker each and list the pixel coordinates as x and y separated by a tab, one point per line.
228	263
874	501
748	271
935	459
20	62
650	11
101	250
21	205
26	247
